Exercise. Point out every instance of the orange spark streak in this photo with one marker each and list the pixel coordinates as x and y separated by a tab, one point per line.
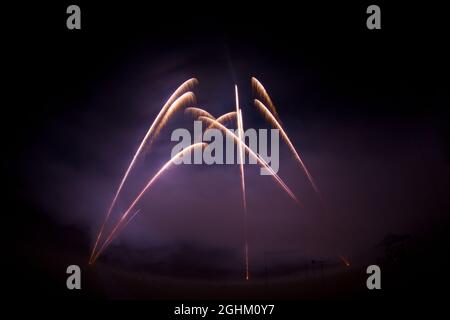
241	124
197	112
276	124
345	261
225	117
185	98
140	195
185	86
258	158
263	93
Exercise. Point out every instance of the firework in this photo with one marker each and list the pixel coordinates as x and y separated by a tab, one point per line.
240	127
256	156
184	99
240	151
269	116
226	117
123	220
261	91
147	138
197	112
180	98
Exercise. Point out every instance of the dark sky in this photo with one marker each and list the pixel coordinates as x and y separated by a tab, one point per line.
366	109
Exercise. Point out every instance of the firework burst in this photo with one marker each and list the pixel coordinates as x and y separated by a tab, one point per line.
182	97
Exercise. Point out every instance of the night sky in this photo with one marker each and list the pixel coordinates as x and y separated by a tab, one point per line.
367	110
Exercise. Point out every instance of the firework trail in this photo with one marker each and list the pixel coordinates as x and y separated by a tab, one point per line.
240	127
259	88
222	119
197	112
226	117
184	99
127	221
148	137
240	151
122	222
266	112
257	157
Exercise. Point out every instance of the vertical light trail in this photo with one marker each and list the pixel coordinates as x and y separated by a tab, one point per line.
264	164
240	129
240	150
124	220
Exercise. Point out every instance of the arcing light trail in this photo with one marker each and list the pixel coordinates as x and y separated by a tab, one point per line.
226	117
148	136
272	115
197	112
259	88
185	99
149	184
120	225
181	97
257	157
275	123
